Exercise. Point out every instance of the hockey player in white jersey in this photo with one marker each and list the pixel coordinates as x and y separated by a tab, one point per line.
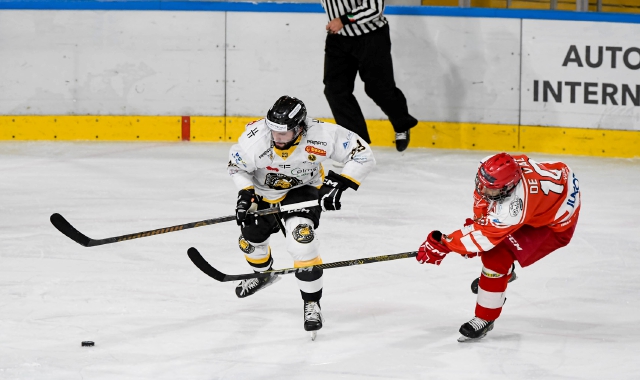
278	160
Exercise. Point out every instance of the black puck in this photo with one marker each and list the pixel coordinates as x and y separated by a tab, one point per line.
87	343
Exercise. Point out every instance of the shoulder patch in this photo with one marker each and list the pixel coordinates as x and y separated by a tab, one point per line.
515	207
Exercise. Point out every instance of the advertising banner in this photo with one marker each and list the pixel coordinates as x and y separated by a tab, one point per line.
580	74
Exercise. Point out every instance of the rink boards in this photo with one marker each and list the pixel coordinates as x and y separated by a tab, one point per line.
556	86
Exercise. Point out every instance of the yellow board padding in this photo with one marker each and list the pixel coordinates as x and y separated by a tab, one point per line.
468	136
580	141
441	135
207	128
105	128
445	135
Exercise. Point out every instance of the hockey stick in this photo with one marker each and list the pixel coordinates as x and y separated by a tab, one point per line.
72	233
212	272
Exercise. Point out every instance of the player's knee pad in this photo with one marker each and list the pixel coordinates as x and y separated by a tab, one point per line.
257	254
302	243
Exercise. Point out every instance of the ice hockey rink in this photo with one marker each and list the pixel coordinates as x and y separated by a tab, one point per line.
153	315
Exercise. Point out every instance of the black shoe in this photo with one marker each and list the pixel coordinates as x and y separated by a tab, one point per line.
247	287
312	316
476	328
474	284
402	140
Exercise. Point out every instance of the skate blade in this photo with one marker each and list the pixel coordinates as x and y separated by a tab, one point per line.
465	339
313	335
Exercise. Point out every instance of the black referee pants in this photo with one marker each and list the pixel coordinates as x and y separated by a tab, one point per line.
369	55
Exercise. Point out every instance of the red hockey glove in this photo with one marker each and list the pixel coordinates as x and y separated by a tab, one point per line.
432	251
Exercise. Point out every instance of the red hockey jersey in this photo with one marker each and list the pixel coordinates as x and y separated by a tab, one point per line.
547	195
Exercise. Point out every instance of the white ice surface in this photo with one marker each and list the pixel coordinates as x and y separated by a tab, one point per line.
154	315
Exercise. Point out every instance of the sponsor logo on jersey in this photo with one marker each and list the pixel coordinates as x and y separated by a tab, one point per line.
345	144
267	152
238	159
312	158
274	169
316	142
303	234
573	197
301	171
357	149
284	166
316	151
515	207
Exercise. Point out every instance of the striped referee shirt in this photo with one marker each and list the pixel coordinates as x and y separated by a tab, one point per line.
358	16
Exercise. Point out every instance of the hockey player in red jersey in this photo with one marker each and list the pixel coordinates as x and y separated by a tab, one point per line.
523	210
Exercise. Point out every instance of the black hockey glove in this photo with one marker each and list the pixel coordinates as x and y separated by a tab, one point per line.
331	191
247	201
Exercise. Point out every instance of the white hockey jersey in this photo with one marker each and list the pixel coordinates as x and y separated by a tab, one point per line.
255	162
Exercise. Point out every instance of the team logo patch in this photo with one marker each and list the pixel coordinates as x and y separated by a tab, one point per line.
515	207
303	234
245	246
281	181
316	151
312	158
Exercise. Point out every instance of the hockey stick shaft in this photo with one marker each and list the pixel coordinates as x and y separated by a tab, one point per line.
72	233
212	272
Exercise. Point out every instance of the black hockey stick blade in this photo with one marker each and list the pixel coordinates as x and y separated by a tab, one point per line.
212	272
72	233
66	228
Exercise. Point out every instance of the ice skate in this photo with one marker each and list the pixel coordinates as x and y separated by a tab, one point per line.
312	318
475	329
247	287
474	284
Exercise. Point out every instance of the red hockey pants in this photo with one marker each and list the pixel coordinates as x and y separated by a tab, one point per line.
527	245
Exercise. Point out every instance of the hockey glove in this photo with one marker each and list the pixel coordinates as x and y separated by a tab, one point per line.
331	191
432	251
247	201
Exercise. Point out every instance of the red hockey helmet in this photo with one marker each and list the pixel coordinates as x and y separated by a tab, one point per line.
497	177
